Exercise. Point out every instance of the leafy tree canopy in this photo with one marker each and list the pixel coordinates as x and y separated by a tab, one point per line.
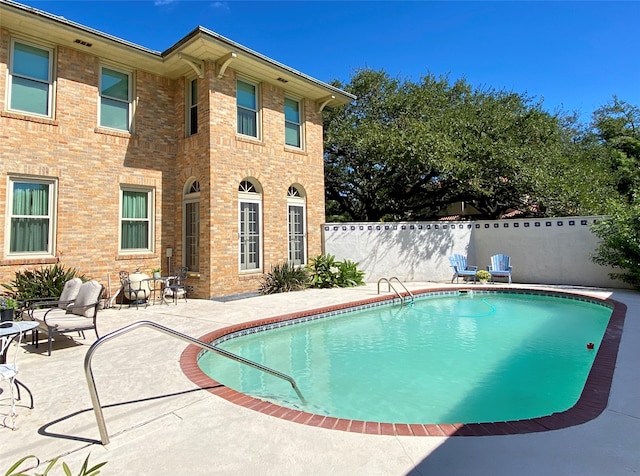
407	151
616	127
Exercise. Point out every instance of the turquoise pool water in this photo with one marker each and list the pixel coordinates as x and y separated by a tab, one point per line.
483	357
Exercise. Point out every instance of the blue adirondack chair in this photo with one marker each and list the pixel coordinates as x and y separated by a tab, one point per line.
461	268
500	267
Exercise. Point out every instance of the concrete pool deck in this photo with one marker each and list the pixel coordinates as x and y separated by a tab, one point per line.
160	423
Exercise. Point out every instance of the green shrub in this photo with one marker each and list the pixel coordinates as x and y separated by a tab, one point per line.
620	244
483	275
326	272
41	283
349	275
322	271
284	278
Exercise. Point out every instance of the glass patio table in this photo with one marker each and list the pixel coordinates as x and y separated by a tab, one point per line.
10	330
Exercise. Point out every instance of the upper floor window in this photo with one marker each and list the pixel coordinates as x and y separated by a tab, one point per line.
115	99
292	124
247	102
135	219
31	216
192	107
31	83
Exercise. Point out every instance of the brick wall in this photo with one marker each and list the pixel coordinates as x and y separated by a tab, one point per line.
90	165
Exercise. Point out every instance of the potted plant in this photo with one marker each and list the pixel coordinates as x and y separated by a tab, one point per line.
483	276
156	273
8	305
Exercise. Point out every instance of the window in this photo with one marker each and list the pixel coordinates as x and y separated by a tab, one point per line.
135	220
296	222
191	201
249	226
292	129
31	205
192	107
31	82
115	99
247	101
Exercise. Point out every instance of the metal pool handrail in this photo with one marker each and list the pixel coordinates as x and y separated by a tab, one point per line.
391	286
97	408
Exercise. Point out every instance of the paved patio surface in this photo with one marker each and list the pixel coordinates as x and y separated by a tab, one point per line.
160	423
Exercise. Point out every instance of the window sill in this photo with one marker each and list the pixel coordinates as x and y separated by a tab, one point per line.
28	118
132	256
249	140
295	150
25	260
112	132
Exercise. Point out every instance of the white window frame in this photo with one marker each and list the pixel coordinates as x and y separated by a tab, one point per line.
51	216
49	82
297	124
129	98
150	219
190	106
296	199
250	197
191	195
256	111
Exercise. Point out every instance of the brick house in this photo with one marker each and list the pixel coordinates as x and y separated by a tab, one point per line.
116	157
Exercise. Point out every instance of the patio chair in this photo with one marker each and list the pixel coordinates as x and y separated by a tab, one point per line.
461	268
177	285
134	291
37	308
79	316
500	267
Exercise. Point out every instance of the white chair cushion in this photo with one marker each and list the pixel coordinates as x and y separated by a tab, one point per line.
70	291
61	322
38	314
88	295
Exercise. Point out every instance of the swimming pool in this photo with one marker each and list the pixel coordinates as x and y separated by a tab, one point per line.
434	320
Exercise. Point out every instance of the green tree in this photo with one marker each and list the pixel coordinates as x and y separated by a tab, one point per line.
616	126
407	151
620	243
579	180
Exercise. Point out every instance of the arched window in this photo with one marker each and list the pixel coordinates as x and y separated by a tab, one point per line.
191	225
249	225
297	219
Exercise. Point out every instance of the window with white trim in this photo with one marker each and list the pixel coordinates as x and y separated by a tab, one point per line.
136	224
191	225
249	226
31	79
115	99
296	215
31	211
247	101
292	123
192	107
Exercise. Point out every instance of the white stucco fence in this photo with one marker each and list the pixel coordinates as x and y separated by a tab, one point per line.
542	251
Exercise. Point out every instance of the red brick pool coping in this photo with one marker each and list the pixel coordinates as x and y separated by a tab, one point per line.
592	401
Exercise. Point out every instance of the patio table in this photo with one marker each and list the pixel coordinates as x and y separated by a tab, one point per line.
153	289
11	331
